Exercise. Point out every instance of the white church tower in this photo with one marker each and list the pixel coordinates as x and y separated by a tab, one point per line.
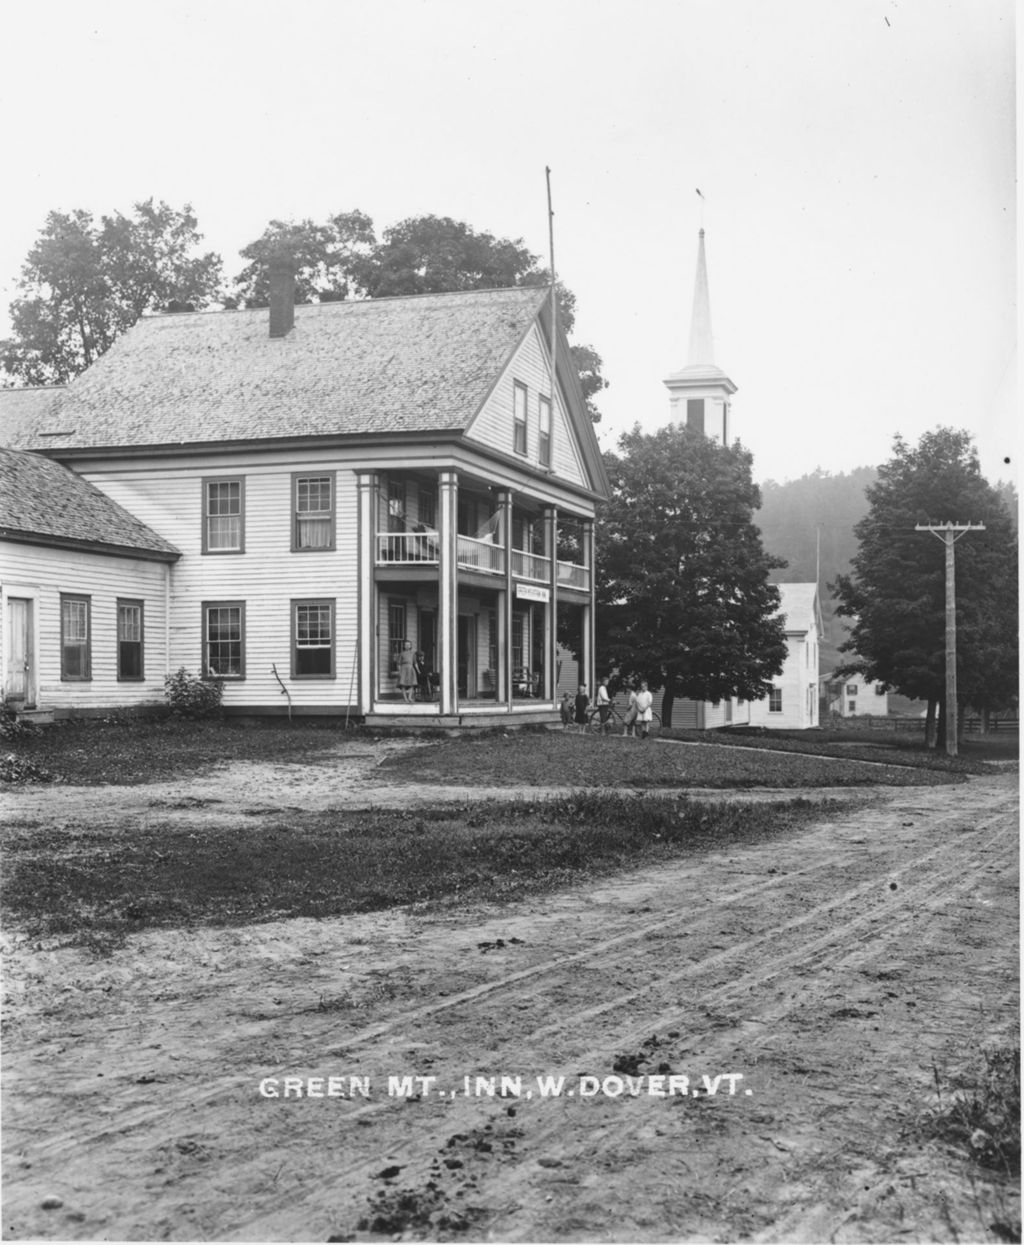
699	394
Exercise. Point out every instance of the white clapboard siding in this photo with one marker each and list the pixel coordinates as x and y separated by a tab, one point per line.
44	573
493	425
799	672
268	576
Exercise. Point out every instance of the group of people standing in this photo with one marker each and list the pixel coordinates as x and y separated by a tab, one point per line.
639	709
414	674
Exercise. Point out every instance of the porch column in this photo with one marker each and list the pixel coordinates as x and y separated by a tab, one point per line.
366	595
587	666
551	615
505	609
447	591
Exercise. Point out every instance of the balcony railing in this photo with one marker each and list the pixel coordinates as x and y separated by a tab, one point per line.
480	555
421	549
572	575
408	548
530	566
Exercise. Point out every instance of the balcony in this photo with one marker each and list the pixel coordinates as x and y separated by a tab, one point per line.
480	555
572	575
422	549
531	566
408	548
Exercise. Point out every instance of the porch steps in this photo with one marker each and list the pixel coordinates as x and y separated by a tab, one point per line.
461	722
41	717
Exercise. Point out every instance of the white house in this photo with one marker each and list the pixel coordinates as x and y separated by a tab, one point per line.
853	697
792	703
322	485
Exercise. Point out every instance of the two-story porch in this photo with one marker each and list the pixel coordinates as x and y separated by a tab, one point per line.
491	589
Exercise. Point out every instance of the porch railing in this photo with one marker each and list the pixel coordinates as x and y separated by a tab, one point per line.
572	575
421	549
530	566
408	548
480	555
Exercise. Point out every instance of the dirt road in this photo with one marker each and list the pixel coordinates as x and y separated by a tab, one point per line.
820	980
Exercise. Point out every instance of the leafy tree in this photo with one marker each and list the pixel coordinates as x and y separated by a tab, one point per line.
895	596
684	598
328	259
419	255
84	283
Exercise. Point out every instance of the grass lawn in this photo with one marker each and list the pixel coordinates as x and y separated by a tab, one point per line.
94	884
142	750
568	760
145	750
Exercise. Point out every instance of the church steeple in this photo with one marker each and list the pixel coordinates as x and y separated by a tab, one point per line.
702	342
699	393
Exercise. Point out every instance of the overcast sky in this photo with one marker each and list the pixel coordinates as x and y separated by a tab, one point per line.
857	159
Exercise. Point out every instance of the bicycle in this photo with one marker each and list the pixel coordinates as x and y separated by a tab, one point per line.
616	723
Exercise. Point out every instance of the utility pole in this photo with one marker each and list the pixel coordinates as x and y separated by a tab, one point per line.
949	534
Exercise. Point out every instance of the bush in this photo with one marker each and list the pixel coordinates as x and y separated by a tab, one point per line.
15	769
193	697
11	727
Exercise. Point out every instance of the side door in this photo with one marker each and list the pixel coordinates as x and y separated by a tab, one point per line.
19	673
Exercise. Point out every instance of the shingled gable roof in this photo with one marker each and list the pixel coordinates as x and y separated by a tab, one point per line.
21	410
392	365
42	502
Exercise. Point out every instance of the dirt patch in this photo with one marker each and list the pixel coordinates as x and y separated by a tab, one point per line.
829	975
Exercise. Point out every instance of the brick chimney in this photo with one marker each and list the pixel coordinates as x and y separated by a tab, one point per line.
282	297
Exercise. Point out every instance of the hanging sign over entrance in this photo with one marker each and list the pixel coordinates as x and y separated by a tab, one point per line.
531	592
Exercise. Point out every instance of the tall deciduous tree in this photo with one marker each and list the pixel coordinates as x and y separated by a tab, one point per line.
684	598
328	259
84	283
895	595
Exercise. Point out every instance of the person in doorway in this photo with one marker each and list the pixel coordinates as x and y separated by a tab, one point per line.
423	676
582	705
604	706
644	701
407	672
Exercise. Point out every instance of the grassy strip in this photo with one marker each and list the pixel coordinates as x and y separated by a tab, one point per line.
149	750
864	745
82	882
556	759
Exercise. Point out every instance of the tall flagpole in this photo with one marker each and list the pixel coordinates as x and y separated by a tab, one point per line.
552	526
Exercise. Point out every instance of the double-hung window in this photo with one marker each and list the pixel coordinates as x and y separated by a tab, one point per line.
224	515
313	506
75	638
313	639
130	667
544	442
224	639
775	700
519	409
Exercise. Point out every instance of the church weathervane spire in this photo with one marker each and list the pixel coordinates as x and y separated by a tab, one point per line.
702	345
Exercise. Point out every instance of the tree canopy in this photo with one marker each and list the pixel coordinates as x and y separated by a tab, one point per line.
895	594
419	255
85	282
684	598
